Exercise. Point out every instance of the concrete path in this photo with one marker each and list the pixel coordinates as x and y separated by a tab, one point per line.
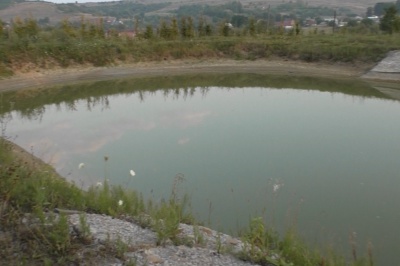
391	64
385	76
387	69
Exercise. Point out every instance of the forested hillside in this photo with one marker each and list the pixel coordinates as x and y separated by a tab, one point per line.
6	3
235	12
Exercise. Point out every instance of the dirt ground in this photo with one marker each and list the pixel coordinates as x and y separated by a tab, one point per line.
60	76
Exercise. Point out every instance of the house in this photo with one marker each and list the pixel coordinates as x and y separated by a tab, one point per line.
374	18
330	20
287	24
310	22
128	34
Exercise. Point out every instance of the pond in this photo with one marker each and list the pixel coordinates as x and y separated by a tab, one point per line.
319	154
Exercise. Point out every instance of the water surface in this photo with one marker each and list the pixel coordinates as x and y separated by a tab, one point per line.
320	154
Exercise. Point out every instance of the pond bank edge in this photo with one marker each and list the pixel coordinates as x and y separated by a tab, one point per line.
40	78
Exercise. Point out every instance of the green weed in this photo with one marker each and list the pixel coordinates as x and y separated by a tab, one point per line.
67	45
169	214
198	236
264	246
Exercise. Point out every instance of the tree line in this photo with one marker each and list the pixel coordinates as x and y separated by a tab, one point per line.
25	41
380	8
172	28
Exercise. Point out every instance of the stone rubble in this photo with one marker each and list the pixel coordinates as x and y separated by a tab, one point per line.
207	247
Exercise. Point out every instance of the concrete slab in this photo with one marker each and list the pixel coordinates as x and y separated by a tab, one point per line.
386	70
391	64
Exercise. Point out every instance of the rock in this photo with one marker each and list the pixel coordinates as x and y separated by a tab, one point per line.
142	249
154	259
232	241
206	230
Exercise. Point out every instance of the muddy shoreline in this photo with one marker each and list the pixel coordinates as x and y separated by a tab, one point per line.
39	78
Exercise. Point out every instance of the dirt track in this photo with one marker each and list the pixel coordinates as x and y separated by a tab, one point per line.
60	76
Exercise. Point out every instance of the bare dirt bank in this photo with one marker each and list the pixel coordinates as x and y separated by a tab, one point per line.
61	76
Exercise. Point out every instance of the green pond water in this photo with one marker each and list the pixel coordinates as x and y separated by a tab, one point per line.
321	154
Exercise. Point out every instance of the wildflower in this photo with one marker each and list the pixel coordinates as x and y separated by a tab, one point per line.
120	202
99	184
276	187
81	165
132	173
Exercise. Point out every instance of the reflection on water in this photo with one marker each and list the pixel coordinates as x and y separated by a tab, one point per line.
322	154
32	103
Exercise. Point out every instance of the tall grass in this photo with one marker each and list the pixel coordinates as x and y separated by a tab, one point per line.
264	246
57	47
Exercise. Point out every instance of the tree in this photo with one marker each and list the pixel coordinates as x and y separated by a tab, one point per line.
183	27
187	27
28	28
380	8
318	20
83	27
164	30
331	23
174	28
252	26
225	28
370	12
148	34
92	31
67	29
209	30
100	28
352	23
137	24
44	21
201	29
390	22
190	28
367	22
239	20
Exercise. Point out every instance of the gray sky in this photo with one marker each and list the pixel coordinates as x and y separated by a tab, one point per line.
79	1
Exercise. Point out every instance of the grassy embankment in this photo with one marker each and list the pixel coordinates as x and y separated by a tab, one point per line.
47	49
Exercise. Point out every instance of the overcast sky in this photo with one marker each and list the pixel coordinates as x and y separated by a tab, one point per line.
79	1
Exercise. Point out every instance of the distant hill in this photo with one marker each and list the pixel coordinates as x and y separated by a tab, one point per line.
6	3
39	10
57	12
358	6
